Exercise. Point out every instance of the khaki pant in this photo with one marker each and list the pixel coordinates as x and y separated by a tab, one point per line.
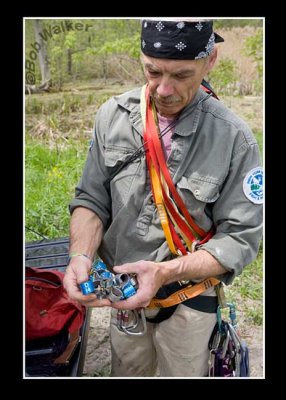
177	346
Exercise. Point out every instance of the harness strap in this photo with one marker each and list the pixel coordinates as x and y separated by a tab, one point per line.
184	294
208	89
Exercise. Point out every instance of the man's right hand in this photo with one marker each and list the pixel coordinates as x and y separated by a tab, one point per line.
78	272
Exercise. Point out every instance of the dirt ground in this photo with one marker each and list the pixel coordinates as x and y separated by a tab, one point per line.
98	355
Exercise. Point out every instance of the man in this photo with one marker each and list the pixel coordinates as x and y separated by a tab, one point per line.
172	211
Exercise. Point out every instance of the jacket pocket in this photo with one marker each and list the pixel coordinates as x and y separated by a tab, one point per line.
203	189
122	182
199	193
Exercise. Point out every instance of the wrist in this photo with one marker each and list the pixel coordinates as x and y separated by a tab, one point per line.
74	254
172	270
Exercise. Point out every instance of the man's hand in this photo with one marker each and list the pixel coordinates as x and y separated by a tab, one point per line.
150	278
78	272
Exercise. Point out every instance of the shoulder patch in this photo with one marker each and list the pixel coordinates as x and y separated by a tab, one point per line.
253	185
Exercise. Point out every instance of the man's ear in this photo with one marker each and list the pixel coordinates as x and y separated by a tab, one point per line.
212	59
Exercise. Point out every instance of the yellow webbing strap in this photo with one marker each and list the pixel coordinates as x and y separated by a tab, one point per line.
184	294
161	209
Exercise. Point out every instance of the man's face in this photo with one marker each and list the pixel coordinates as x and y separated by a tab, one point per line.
174	83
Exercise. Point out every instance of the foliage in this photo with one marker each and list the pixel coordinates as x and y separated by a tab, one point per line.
224	75
254	49
247	289
259	137
73	53
50	178
127	45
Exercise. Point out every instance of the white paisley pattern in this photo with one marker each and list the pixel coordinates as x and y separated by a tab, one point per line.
180	25
209	48
160	26
199	26
180	46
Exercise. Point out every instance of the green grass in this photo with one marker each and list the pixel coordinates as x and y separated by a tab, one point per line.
259	137
50	179
58	131
246	291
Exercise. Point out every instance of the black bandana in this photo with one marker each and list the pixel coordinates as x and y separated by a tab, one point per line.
178	40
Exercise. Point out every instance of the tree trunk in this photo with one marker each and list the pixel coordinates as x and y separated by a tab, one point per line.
69	61
43	57
30	89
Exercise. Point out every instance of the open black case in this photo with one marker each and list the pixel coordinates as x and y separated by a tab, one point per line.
52	254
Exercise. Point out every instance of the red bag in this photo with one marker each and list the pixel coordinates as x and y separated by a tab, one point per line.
49	310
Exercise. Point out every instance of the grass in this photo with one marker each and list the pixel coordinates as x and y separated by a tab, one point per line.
246	291
50	177
259	137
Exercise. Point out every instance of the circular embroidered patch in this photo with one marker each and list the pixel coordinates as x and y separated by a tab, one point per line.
253	185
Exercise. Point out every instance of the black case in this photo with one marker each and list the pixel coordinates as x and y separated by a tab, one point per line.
52	254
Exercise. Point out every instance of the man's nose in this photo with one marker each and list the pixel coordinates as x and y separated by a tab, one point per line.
165	89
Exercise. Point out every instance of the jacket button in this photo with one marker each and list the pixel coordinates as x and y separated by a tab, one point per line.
197	192
150	201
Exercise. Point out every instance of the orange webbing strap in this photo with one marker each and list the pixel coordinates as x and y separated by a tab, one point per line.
184	294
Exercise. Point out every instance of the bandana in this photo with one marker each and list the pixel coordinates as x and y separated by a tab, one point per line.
178	40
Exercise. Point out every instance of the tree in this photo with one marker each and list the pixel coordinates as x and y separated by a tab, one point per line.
43	57
43	61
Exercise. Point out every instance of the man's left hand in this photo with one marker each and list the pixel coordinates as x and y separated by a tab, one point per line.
150	278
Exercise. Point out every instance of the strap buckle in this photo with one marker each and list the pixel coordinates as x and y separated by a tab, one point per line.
194	245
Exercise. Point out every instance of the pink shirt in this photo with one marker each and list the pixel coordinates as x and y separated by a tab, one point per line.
166	139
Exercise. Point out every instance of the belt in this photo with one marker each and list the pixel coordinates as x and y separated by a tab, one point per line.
181	293
207	304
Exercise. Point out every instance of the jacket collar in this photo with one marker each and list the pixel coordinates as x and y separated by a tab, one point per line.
131	102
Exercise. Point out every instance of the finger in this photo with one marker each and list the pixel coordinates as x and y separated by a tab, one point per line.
75	294
128	267
82	276
123	268
131	304
98	303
